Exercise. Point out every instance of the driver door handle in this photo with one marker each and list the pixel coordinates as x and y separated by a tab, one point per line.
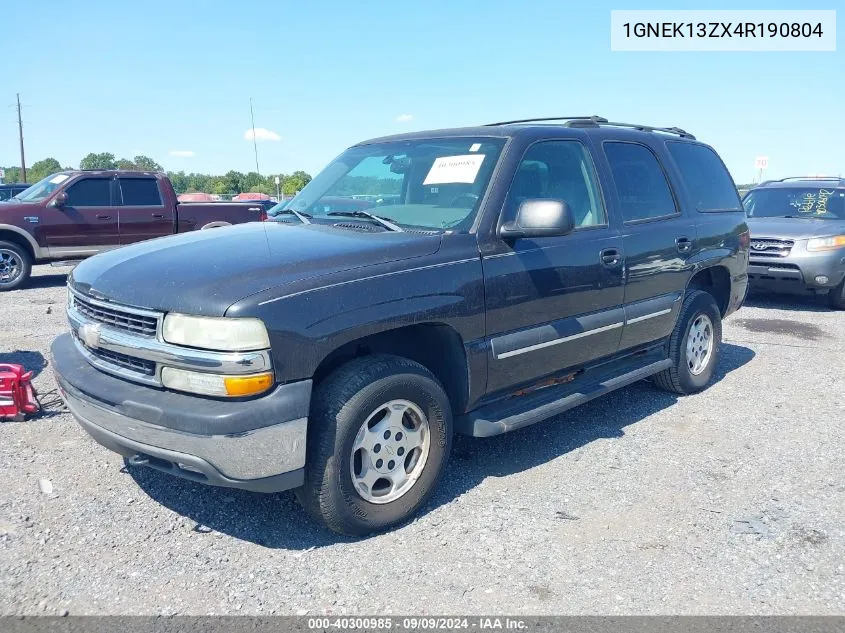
103	217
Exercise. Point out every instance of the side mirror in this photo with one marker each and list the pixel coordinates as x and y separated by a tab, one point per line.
539	218
60	200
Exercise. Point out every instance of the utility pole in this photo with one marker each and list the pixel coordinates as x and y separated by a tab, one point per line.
20	131
254	142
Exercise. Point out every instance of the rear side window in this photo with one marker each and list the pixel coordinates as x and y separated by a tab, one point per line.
140	192
706	177
641	185
90	192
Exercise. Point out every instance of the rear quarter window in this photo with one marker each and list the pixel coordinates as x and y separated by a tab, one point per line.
140	192
707	180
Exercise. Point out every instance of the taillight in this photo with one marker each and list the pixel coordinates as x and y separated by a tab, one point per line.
262	217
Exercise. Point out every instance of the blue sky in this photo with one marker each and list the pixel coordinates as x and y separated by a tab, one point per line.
158	77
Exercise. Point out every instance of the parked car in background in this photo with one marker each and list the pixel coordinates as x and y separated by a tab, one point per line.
9	190
798	237
264	205
524	269
71	215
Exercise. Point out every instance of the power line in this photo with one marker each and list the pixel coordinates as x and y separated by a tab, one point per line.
20	132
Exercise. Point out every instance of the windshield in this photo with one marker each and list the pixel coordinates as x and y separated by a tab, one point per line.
426	183
800	202
42	189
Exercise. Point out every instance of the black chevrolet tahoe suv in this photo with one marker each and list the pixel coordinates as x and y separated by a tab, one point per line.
488	278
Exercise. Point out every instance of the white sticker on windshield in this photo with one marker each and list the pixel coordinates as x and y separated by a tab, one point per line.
453	169
475	147
57	180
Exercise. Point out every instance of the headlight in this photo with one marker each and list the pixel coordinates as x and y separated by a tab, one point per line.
215	384
826	243
222	334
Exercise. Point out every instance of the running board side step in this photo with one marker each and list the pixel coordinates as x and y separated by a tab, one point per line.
66	262
482	422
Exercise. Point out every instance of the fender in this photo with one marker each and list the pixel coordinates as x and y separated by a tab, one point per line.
37	251
709	258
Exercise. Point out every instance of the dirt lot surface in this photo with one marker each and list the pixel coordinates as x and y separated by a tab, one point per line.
728	502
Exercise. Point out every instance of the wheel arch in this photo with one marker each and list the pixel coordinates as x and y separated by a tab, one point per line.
9	233
714	279
436	346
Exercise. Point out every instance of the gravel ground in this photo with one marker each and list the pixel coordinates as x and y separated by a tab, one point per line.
727	502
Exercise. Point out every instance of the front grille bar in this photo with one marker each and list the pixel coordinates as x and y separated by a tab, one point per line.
135	320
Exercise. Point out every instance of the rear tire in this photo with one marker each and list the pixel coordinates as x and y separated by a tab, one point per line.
695	345
836	297
379	437
15	266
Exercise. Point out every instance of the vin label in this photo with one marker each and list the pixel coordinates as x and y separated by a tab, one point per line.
714	30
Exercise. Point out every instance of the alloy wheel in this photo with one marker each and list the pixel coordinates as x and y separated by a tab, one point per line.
11	266
390	451
699	344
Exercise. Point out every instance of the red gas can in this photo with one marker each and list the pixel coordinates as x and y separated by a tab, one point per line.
17	396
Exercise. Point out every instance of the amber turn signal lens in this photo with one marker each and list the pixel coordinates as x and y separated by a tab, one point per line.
248	385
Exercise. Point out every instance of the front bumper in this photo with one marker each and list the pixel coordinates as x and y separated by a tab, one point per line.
256	444
799	272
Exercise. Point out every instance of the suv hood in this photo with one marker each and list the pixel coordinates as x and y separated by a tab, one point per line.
794	228
7	206
205	272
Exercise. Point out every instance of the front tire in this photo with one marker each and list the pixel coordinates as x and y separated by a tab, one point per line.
379	437
695	345
15	266
836	297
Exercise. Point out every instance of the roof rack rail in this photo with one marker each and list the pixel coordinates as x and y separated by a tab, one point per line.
635	126
596	121
810	178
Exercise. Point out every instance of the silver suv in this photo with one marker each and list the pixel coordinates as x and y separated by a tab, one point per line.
798	237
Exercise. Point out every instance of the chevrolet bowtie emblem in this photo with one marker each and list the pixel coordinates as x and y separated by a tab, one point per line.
90	335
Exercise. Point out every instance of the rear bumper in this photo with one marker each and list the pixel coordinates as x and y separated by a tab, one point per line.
227	443
798	273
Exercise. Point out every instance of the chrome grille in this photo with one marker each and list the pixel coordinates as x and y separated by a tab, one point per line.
116	318
769	247
146	367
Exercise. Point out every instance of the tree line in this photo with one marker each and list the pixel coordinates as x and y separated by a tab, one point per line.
230	183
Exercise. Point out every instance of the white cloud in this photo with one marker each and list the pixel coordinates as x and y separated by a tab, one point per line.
404	118
181	153
262	134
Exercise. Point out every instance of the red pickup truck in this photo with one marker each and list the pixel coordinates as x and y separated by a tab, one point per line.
71	215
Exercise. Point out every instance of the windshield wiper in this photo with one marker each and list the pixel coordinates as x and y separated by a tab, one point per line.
385	222
802	217
302	217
